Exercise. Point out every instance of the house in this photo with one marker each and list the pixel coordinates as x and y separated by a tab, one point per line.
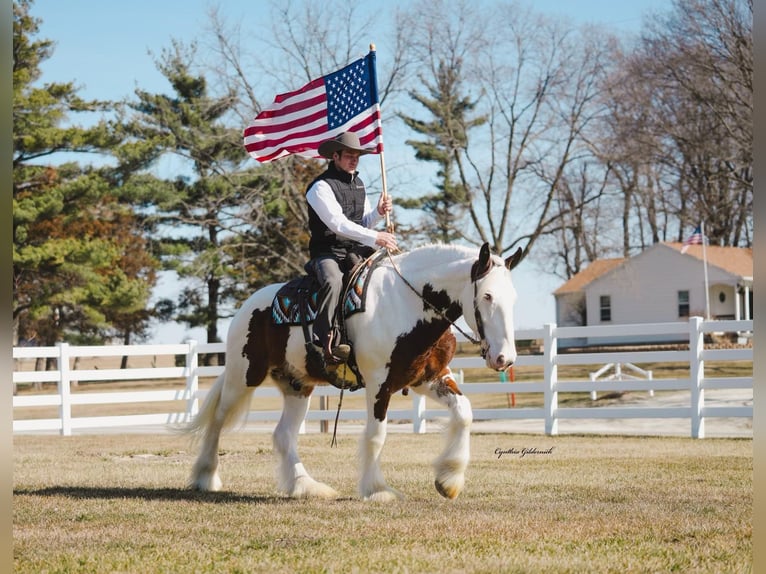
659	285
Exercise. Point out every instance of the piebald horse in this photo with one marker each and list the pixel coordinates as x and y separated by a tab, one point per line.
403	340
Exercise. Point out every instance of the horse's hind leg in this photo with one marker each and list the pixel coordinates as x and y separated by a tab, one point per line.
293	479
450	466
224	405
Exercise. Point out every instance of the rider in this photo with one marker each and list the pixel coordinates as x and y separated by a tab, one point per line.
340	222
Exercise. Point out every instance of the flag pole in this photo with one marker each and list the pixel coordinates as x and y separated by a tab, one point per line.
704	262
384	192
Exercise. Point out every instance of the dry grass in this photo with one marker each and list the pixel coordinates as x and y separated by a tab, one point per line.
595	504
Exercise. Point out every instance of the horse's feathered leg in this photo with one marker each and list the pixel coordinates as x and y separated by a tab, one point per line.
223	406
450	466
293	479
372	485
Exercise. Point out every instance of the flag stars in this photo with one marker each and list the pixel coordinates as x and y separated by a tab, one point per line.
348	93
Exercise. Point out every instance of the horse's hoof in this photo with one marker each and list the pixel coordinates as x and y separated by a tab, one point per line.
306	487
450	489
216	487
206	484
389	495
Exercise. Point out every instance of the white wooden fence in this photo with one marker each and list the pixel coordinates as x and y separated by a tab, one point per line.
550	386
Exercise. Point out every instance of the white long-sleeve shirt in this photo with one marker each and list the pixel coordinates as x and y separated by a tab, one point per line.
322	200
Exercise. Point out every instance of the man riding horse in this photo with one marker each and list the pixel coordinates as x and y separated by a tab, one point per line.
340	222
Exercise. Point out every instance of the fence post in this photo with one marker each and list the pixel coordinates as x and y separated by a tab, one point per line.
697	374
550	374
593	394
65	390
323	423
192	380
418	413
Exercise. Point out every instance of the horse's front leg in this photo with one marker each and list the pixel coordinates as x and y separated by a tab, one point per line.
450	466
293	478
372	485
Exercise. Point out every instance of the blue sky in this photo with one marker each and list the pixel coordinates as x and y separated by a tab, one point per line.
104	47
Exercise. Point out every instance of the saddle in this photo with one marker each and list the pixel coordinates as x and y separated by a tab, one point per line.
296	303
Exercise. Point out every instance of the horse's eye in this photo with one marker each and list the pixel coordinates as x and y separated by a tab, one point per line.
488	297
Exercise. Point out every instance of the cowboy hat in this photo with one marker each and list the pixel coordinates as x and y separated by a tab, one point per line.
346	140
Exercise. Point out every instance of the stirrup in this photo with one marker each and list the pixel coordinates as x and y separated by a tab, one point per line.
334	356
337	354
341	353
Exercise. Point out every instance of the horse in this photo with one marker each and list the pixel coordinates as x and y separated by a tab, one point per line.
403	340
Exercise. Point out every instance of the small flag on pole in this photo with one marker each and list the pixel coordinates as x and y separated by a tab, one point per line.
297	122
694	239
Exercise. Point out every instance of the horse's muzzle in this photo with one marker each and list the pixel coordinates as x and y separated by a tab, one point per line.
501	362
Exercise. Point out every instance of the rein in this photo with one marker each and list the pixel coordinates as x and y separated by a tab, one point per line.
479	324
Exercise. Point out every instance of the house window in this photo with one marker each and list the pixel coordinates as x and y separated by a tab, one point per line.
605	305
683	303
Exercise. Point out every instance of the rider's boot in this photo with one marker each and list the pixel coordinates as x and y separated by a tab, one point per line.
337	353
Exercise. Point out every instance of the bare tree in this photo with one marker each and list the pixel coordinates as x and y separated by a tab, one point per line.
681	122
537	91
587	215
308	40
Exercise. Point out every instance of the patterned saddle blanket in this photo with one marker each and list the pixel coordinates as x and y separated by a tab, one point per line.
296	301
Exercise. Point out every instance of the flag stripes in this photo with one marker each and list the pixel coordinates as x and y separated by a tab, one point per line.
694	239
298	121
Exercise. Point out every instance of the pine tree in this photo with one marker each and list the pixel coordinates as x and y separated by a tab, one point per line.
81	268
447	134
197	211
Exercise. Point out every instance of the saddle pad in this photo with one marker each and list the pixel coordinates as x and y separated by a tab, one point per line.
296	301
357	293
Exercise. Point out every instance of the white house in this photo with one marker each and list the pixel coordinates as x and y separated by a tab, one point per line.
659	285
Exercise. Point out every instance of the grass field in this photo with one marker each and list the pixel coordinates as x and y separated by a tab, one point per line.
592	504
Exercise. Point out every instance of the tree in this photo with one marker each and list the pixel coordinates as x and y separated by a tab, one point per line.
449	135
537	92
684	97
192	211
586	213
81	269
270	240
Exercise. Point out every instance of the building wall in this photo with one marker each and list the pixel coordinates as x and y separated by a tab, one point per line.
645	289
569	313
569	309
723	308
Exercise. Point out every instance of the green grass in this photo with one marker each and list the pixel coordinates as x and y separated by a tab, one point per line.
595	504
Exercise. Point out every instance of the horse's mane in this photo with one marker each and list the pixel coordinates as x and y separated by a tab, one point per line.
435	255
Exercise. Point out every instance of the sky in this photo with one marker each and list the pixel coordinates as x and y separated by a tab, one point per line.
107	49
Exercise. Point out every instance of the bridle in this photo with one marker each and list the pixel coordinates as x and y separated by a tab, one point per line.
481	341
477	316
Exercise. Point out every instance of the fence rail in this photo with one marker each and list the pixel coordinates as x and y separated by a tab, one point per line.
550	385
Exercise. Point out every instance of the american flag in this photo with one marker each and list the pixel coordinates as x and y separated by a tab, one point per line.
694	239
297	122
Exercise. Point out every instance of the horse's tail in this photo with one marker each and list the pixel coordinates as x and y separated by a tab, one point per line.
206	417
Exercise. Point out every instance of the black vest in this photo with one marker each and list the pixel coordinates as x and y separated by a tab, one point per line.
350	193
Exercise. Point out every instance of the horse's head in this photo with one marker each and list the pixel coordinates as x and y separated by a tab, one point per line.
493	295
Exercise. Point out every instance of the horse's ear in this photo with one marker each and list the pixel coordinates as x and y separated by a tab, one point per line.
482	266
514	259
